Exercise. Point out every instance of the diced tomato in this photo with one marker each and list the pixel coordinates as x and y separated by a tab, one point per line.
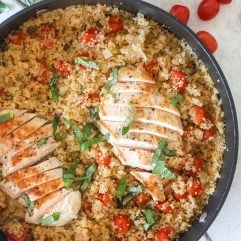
198	115
43	74
152	67
91	35
165	234
197	166
209	133
64	68
208	9
165	207
87	206
94	96
209	40
46	33
225	1
122	224
188	130
142	198
18	38
2	93
195	189
178	81
180	12
180	196
103	160
115	24
104	198
14	237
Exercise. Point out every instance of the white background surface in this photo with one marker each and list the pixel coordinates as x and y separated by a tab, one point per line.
226	27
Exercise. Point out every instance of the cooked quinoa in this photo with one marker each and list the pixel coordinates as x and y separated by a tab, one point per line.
32	57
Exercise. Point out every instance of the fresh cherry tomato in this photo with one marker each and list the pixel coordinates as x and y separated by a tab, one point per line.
12	236
165	207
43	74
152	67
63	68
197	166
209	133
225	1
198	115
103	160
209	40
165	234
188	130
91	35
18	38
195	189
142	198
180	12
178	81
208	9
180	196
122	224
104	198
115	24
46	33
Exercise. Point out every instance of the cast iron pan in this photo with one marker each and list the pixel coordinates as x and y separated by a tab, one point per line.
183	32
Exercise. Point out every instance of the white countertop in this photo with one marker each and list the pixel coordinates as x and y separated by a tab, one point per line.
226	27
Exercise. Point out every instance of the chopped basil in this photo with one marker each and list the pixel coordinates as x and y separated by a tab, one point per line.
3	7
61	135
125	129
132	192
121	187
50	219
176	101
88	177
113	81
151	219
69	175
53	87
158	160
86	62
95	111
28	203
6	117
42	141
88	129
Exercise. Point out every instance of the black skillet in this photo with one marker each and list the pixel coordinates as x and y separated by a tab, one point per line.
199	226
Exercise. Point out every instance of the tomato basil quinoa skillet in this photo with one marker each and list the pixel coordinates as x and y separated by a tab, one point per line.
111	129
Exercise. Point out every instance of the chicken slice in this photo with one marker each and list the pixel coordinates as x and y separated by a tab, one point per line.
144	115
8	127
68	208
14	190
41	205
153	184
43	132
20	134
132	87
29	157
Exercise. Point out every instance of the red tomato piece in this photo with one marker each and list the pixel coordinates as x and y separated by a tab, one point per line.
198	115
209	133
165	234
87	206
178	81
2	93
188	130
152	67
208	9
142	198
225	1
180	12
104	198
63	68
195	189
103	160
165	207
46	33
122	224
115	24
91	35
180	196
43	75
18	38
197	166
209	40
12	236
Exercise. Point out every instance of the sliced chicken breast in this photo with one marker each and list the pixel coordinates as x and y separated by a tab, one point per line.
153	184
46	202
132	87
29	157
20	134
14	190
68	208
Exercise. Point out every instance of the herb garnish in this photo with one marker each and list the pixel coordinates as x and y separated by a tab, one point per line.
28	203
3	7
158	160
53	87
42	141
62	134
95	111
87	177
176	101
69	174
86	62
151	219
125	129
113	81
6	117
50	219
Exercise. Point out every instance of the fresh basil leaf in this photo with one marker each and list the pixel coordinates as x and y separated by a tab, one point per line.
28	203
88	177
69	174
125	129
160	169
135	190
3	7
88	129
86	62
127	199
159	152
168	152
42	141
53	87
151	220
62	134
113	81
50	219
176	101
121	188
6	117
95	111
87	144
